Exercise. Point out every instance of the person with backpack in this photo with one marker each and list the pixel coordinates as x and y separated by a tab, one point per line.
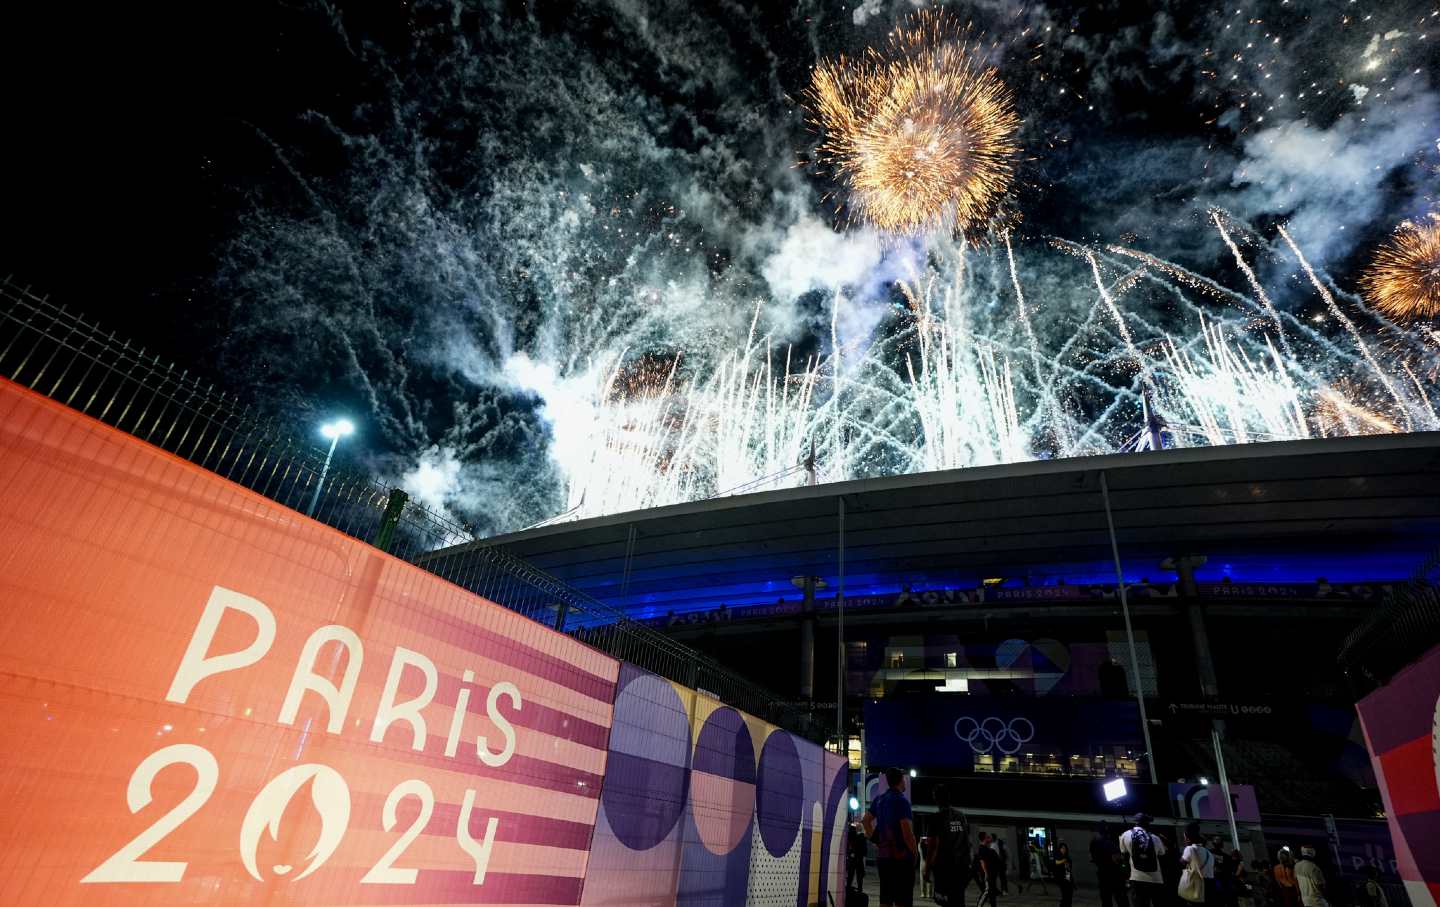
1144	849
890	824
948	857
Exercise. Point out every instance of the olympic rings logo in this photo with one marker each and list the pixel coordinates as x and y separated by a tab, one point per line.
995	734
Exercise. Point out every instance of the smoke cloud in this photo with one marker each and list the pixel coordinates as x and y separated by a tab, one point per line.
510	202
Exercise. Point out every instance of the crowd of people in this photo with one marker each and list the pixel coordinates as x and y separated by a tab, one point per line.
948	862
1136	866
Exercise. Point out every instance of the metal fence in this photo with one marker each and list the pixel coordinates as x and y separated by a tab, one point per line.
59	354
491	572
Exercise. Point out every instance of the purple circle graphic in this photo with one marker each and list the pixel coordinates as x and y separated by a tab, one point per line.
722	781
779	793
724	748
647	771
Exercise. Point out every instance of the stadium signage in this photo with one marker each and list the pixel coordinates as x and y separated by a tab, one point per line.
1219	710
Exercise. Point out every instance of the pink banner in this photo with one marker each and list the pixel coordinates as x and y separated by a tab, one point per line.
1402	730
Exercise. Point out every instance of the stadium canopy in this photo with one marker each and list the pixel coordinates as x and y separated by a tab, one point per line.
1347	510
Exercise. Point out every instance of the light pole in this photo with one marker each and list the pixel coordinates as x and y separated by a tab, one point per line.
334	431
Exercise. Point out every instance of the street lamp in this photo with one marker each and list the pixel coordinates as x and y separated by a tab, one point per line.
334	431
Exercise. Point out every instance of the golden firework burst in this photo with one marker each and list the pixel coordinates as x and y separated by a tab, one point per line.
1403	280
920	134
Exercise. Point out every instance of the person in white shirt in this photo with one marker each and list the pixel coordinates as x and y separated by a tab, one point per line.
1144	851
1310	879
1197	856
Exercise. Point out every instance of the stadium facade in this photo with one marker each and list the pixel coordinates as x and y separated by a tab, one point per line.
987	645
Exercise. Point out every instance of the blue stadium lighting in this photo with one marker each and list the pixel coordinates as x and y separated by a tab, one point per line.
1115	789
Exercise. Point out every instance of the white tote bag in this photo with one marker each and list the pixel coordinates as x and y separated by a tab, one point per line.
1192	877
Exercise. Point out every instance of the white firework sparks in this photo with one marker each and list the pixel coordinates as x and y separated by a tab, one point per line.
946	388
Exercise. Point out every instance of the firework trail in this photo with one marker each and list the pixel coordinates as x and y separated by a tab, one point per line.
1346	322
920	135
1403	281
1140	366
1051	406
1260	293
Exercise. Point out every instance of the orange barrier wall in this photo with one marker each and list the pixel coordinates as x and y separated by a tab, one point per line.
208	698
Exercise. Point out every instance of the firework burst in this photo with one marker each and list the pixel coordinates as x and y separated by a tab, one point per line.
920	134
1403	281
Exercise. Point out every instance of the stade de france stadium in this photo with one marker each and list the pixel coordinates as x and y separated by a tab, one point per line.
985	643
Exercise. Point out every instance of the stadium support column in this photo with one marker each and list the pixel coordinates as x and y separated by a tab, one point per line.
807	641
1129	631
1184	567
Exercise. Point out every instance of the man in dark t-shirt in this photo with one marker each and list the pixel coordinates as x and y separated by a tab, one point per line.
1105	854
987	870
948	858
890	824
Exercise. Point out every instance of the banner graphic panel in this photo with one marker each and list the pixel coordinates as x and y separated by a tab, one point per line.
1401	721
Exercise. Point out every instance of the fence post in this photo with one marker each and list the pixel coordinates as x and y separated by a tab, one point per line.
395	506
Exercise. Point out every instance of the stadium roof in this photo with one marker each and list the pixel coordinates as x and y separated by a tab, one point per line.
1348	509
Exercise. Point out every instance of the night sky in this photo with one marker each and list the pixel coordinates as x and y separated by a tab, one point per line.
429	215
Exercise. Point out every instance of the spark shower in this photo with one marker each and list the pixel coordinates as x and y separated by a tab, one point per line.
949	385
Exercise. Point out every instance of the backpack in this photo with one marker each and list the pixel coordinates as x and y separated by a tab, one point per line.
1142	851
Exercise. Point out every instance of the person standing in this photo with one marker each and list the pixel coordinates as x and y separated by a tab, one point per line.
1285	879
1105	854
1240	879
1372	895
948	859
1198	859
1064	874
1222	877
1004	865
1310	879
890	824
987	870
1263	887
1144	849
855	858
1036	869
